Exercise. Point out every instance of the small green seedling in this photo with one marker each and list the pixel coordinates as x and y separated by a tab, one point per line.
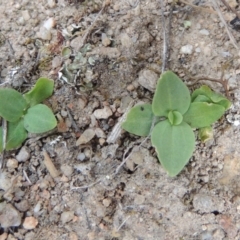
24	113
176	113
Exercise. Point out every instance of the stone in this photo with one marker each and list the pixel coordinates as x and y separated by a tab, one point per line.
49	24
5	181
104	113
86	136
44	34
23	155
81	157
106	202
148	79
203	203
67	170
9	216
51	3
204	32
100	133
67	216
12	163
22	206
30	223
187	49
25	14
105	40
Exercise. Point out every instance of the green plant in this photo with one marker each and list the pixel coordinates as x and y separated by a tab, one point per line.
171	117
24	113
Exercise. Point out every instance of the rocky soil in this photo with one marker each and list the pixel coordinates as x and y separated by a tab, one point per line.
105	56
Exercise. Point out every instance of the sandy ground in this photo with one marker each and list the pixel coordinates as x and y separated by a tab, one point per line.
116	57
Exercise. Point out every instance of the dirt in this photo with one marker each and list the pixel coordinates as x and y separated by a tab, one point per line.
116	57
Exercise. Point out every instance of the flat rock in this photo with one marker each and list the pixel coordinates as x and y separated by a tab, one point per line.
205	203
87	136
104	113
67	216
30	223
148	79
187	49
44	34
204	32
9	216
23	155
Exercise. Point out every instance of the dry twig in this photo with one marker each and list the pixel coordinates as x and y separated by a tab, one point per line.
49	165
232	39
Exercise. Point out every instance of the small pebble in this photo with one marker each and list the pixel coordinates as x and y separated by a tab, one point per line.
25	14
187	49
22	206
67	216
12	163
101	141
49	24
64	113
130	87
9	216
204	32
87	152
106	202
203	203
87	136
51	3
23	155
44	34
148	79
100	133
105	40
81	157
104	113
37	207
30	223
67	170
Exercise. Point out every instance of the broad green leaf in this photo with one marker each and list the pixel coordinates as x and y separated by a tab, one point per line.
139	120
202	114
174	145
39	119
203	90
42	90
16	135
213	96
175	117
1	139
202	98
171	95
12	104
205	134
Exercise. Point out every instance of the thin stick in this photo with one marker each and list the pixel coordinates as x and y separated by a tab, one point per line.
49	165
221	81
232	39
230	8
164	57
198	8
26	176
90	27
121	225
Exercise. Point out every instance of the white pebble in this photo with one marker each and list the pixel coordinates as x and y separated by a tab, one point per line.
187	49
81	156
104	113
204	32
49	24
